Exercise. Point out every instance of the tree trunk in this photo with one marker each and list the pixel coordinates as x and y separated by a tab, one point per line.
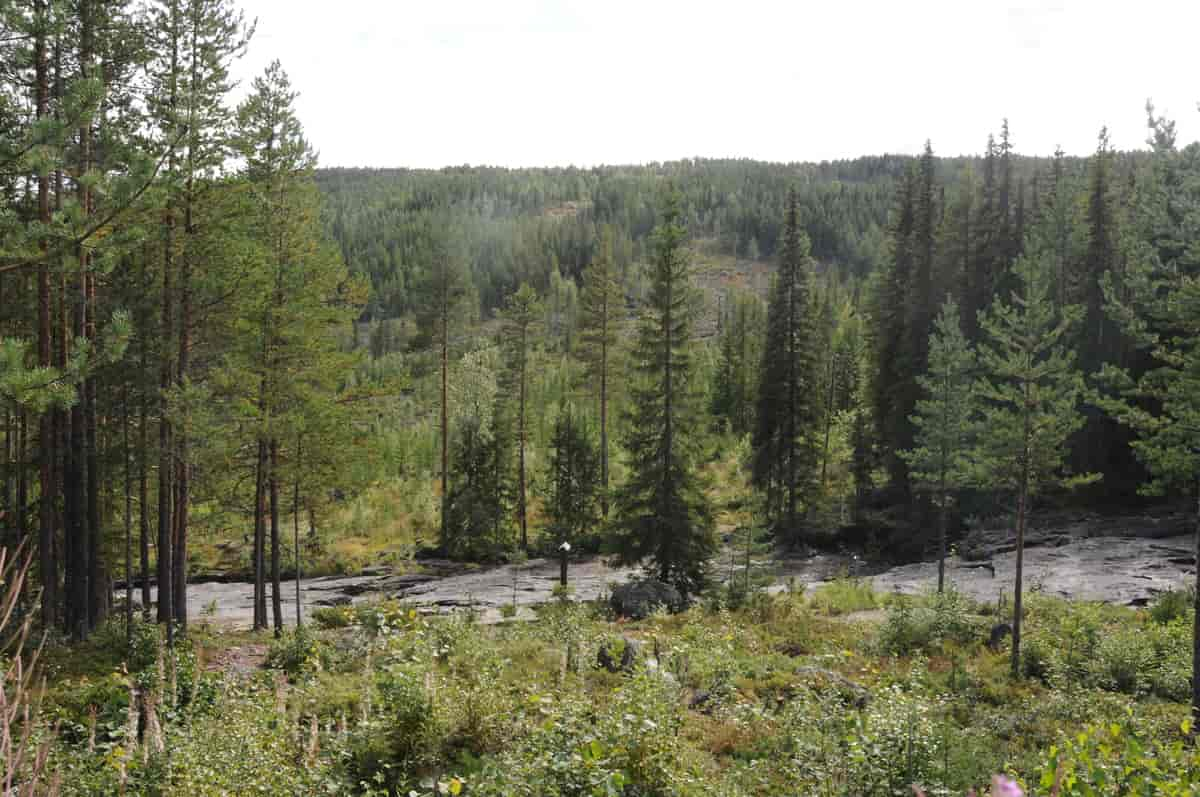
604	407
144	452
445	411
521	444
260	584
1022	501
46	447
792	401
296	535
1196	627
273	488
942	511
166	492
128	518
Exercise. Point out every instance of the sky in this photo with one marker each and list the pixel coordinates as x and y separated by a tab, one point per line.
432	83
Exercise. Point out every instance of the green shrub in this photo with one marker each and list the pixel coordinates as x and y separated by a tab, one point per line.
1117	759
845	595
298	651
1173	605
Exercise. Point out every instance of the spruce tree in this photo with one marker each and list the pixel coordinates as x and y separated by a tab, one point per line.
944	421
573	485
1031	392
890	313
740	343
787	426
521	313
663	513
1158	309
602	312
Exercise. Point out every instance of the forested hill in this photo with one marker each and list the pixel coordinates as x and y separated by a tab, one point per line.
521	225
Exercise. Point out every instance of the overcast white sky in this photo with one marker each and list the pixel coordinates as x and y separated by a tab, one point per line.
430	83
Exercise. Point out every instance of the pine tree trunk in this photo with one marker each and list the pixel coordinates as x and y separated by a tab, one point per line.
128	518
273	489
165	568
260	484
1196	626
521	445
144	455
22	476
1022	508
296	536
46	438
668	419
166	492
942	511
604	321
182	481
792	402
445	319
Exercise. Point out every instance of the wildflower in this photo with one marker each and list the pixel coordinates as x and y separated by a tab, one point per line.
1003	787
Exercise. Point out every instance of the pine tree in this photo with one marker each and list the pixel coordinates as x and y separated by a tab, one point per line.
889	329
663	512
1031	392
1158	310
521	313
573	489
444	291
944	420
602	311
785	443
740	343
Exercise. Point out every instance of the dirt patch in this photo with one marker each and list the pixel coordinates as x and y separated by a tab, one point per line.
241	660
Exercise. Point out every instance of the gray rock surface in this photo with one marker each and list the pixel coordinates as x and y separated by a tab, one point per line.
1084	559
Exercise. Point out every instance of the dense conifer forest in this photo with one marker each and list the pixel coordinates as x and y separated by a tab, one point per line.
687	381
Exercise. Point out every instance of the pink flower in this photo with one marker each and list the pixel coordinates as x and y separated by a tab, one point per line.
1003	787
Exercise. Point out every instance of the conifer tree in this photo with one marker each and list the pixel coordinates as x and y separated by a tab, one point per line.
663	512
521	313
444	291
1031	392
1158	309
573	489
890	332
602	310
740	342
786	448
944	420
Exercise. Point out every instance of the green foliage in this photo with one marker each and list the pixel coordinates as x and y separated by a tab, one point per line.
1118	759
573	485
785	434
297	651
844	596
663	513
1174	604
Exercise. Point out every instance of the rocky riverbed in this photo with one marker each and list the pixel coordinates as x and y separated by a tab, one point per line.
1124	562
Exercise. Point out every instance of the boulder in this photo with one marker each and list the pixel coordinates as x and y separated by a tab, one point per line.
638	599
999	632
619	656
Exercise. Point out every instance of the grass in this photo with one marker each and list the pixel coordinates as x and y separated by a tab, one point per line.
781	679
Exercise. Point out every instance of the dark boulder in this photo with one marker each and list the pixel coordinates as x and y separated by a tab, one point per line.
619	655
639	599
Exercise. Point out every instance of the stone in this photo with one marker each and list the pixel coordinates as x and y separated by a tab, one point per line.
999	632
619	659
639	599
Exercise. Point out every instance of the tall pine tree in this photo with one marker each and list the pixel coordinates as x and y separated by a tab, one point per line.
663	511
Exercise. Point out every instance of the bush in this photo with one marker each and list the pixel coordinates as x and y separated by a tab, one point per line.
1172	605
298	651
390	748
1117	759
845	595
